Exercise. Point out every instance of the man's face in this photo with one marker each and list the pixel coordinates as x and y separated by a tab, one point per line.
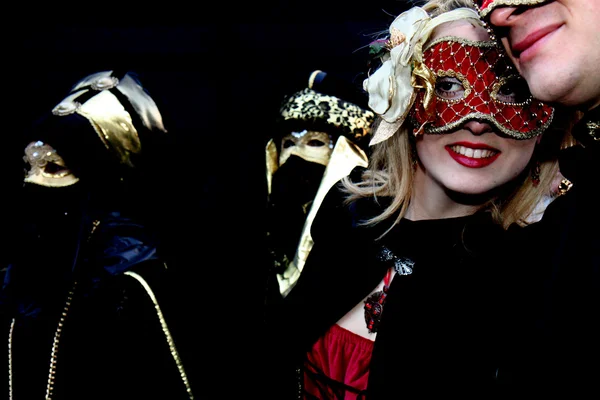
555	46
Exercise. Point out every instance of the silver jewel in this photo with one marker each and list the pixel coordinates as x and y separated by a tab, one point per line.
104	83
402	265
66	108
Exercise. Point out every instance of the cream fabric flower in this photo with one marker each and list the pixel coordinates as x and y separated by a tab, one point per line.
389	87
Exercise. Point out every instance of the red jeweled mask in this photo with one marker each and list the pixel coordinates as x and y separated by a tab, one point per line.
486	6
466	80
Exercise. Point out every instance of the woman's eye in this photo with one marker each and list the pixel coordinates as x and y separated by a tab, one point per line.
513	91
449	89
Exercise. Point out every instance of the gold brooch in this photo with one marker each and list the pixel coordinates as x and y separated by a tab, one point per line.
564	186
594	130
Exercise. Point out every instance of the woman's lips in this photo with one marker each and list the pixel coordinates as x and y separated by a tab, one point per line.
472	155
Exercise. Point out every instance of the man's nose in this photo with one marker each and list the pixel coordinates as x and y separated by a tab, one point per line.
478	128
502	16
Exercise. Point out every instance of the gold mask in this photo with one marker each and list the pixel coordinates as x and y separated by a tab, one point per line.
46	167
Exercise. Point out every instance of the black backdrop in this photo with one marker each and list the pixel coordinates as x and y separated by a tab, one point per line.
218	73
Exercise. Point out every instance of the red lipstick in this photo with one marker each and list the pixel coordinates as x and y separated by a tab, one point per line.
489	155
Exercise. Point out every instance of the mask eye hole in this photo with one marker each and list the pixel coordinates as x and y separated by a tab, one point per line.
288	143
315	143
449	88
511	90
53	168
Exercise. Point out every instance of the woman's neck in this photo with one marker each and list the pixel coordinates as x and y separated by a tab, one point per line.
421	207
431	201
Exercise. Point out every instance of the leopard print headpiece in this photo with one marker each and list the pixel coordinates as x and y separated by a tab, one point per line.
323	111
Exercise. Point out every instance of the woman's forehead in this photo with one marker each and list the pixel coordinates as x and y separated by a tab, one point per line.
463	29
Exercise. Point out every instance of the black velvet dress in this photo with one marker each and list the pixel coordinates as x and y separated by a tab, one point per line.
442	325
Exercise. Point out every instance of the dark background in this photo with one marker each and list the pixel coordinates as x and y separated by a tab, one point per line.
218	74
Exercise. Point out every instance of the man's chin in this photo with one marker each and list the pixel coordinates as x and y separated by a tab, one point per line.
539	74
554	89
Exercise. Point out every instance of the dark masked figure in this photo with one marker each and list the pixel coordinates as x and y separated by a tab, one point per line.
319	138
86	311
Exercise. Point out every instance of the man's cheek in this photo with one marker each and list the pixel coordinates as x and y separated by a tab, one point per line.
506	43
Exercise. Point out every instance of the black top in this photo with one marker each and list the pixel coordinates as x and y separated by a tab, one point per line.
440	323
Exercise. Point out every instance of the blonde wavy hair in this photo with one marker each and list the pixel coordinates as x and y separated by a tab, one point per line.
392	165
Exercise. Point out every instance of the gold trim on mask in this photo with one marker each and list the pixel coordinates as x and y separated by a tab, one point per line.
507	3
479	116
462	41
503	80
463	80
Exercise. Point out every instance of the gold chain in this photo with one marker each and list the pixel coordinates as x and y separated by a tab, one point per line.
57	335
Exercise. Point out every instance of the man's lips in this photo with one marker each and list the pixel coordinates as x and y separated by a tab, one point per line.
522	45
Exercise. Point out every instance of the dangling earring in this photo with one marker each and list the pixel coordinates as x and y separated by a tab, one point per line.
535	173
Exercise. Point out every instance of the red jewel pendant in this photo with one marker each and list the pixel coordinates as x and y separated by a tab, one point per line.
374	303
374	307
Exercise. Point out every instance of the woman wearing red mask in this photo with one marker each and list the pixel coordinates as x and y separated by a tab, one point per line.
411	289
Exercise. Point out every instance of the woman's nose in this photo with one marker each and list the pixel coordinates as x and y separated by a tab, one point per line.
478	128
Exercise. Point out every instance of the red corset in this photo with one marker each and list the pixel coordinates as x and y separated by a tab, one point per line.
337	367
